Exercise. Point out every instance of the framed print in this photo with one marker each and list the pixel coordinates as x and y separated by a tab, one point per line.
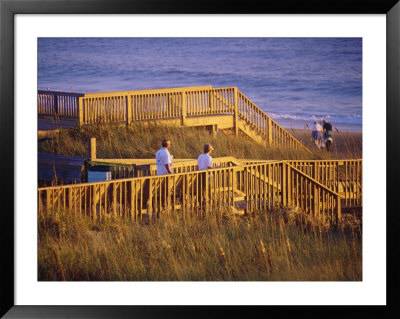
35	34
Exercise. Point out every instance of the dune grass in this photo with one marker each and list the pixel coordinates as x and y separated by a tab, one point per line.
279	246
139	141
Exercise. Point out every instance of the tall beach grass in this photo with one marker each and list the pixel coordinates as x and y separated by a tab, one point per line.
142	141
280	246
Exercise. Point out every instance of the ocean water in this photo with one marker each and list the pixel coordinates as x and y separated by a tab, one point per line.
293	80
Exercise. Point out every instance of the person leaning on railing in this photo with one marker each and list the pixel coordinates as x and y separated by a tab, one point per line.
204	161
164	158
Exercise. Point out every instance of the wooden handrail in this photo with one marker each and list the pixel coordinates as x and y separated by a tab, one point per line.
60	105
60	93
265	125
149	91
312	196
180	103
342	176
261	186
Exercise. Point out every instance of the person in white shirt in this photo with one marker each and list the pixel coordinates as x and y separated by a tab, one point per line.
317	134
164	158
204	161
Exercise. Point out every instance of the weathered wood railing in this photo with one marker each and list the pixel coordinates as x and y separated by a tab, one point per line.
190	166
259	186
169	104
139	168
341	176
268	128
129	106
59	105
273	184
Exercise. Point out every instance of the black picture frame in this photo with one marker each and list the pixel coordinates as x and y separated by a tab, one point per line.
8	10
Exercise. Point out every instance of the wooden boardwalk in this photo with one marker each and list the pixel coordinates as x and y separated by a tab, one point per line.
319	188
224	109
244	187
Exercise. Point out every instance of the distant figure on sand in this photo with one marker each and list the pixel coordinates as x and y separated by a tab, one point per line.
327	131
317	133
204	161
164	158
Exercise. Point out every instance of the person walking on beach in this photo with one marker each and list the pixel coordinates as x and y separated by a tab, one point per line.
317	133
164	158
204	161
327	131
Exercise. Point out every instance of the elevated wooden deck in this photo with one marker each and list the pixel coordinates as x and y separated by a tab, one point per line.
244	185
215	108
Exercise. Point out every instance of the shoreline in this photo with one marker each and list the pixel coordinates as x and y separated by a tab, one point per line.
307	125
339	130
345	143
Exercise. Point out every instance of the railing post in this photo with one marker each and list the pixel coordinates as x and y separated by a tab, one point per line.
289	186
114	200
214	130
48	199
284	185
183	109
235	113
269	131
128	109
338	209
92	148
95	198
316	212
80	110
207	192
316	177
55	104
246	190
234	183
150	200
210	101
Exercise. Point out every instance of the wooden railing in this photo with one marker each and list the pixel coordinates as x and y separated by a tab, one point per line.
191	166
312	197
259	186
133	168
59	105
164	104
264	125
341	176
278	184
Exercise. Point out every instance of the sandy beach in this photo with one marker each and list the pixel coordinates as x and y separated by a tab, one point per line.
346	144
